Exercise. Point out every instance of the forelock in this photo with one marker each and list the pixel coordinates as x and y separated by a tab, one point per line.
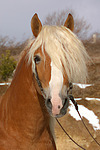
64	49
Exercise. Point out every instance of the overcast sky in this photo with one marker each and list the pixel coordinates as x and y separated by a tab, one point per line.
15	15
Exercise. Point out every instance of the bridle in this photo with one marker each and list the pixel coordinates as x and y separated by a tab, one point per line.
70	97
39	83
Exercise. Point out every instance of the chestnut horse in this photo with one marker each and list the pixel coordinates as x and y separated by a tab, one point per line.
38	91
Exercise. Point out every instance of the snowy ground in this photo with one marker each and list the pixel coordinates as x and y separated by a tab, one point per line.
86	113
4	84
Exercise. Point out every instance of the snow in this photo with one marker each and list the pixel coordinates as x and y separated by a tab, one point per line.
89	99
88	114
82	86
4	83
78	99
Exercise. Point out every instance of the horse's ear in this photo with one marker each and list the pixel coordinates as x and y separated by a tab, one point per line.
36	25
69	23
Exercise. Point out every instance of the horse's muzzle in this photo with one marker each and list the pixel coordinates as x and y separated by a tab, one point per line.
62	111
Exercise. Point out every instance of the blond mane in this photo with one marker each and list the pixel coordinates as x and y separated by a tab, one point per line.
64	49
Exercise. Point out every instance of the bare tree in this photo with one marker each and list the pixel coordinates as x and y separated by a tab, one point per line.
81	27
10	44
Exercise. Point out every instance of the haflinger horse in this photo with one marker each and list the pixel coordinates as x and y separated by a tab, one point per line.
39	89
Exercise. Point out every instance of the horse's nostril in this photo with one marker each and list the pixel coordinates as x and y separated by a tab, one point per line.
58	106
48	103
49	100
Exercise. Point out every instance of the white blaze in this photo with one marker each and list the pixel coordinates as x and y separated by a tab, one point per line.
55	84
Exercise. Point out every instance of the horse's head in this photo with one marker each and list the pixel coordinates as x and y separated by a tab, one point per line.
49	54
51	82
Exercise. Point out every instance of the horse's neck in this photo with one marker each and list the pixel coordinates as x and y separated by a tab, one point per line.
21	106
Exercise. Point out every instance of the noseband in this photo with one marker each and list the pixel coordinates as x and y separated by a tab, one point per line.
70	97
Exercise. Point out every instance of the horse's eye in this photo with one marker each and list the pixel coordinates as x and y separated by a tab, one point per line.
37	59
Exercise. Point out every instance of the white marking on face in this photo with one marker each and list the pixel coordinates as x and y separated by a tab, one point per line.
56	84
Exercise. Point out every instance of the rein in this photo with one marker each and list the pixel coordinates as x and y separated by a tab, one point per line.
69	135
76	107
70	97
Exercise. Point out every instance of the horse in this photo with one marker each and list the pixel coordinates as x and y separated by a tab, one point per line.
39	89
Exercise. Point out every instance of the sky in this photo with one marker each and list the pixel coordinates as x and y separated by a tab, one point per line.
15	15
